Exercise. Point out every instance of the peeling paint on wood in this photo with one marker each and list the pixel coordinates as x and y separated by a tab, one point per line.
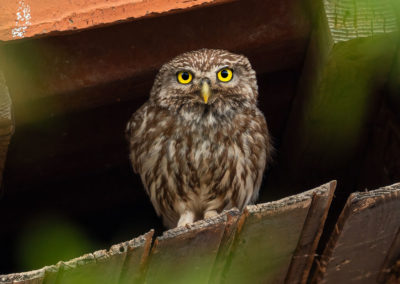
22	22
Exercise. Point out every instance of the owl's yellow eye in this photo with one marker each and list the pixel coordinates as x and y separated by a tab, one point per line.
184	77
225	75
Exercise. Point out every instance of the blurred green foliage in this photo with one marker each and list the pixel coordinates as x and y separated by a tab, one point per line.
45	240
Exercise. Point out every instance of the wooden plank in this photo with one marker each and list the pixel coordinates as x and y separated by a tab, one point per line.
392	261
105	266
217	274
304	255
350	55
32	18
186	254
267	238
137	254
363	236
122	263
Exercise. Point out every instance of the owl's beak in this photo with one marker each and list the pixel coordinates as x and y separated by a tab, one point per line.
205	90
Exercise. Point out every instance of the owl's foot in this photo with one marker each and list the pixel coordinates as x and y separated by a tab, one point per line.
186	218
210	214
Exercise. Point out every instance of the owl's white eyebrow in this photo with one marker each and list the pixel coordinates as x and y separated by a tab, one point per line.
186	69
223	67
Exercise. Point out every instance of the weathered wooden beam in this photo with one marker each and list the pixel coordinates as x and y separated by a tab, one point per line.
187	255
350	55
365	233
270	234
114	64
32	18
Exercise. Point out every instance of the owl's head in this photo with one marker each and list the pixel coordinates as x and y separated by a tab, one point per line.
206	78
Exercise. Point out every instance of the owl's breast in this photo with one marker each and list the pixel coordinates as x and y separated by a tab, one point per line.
216	161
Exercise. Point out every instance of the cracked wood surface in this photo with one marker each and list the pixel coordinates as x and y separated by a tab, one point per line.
303	257
359	248
268	235
186	254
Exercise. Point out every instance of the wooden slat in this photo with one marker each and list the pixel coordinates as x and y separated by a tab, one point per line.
186	255
51	273
98	267
106	266
364	234
350	55
137	254
392	261
304	255
225	247
267	238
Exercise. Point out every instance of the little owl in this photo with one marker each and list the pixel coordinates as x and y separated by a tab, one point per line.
200	144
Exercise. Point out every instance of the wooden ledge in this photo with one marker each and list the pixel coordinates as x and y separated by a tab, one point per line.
277	239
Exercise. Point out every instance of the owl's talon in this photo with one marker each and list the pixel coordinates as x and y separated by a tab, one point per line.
210	214
186	219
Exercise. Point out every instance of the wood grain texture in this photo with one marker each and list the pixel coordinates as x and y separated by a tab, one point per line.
350	55
392	262
304	255
350	19
267	237
217	274
106	266
364	234
186	254
137	252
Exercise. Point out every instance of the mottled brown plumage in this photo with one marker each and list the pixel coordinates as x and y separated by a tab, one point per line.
195	155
